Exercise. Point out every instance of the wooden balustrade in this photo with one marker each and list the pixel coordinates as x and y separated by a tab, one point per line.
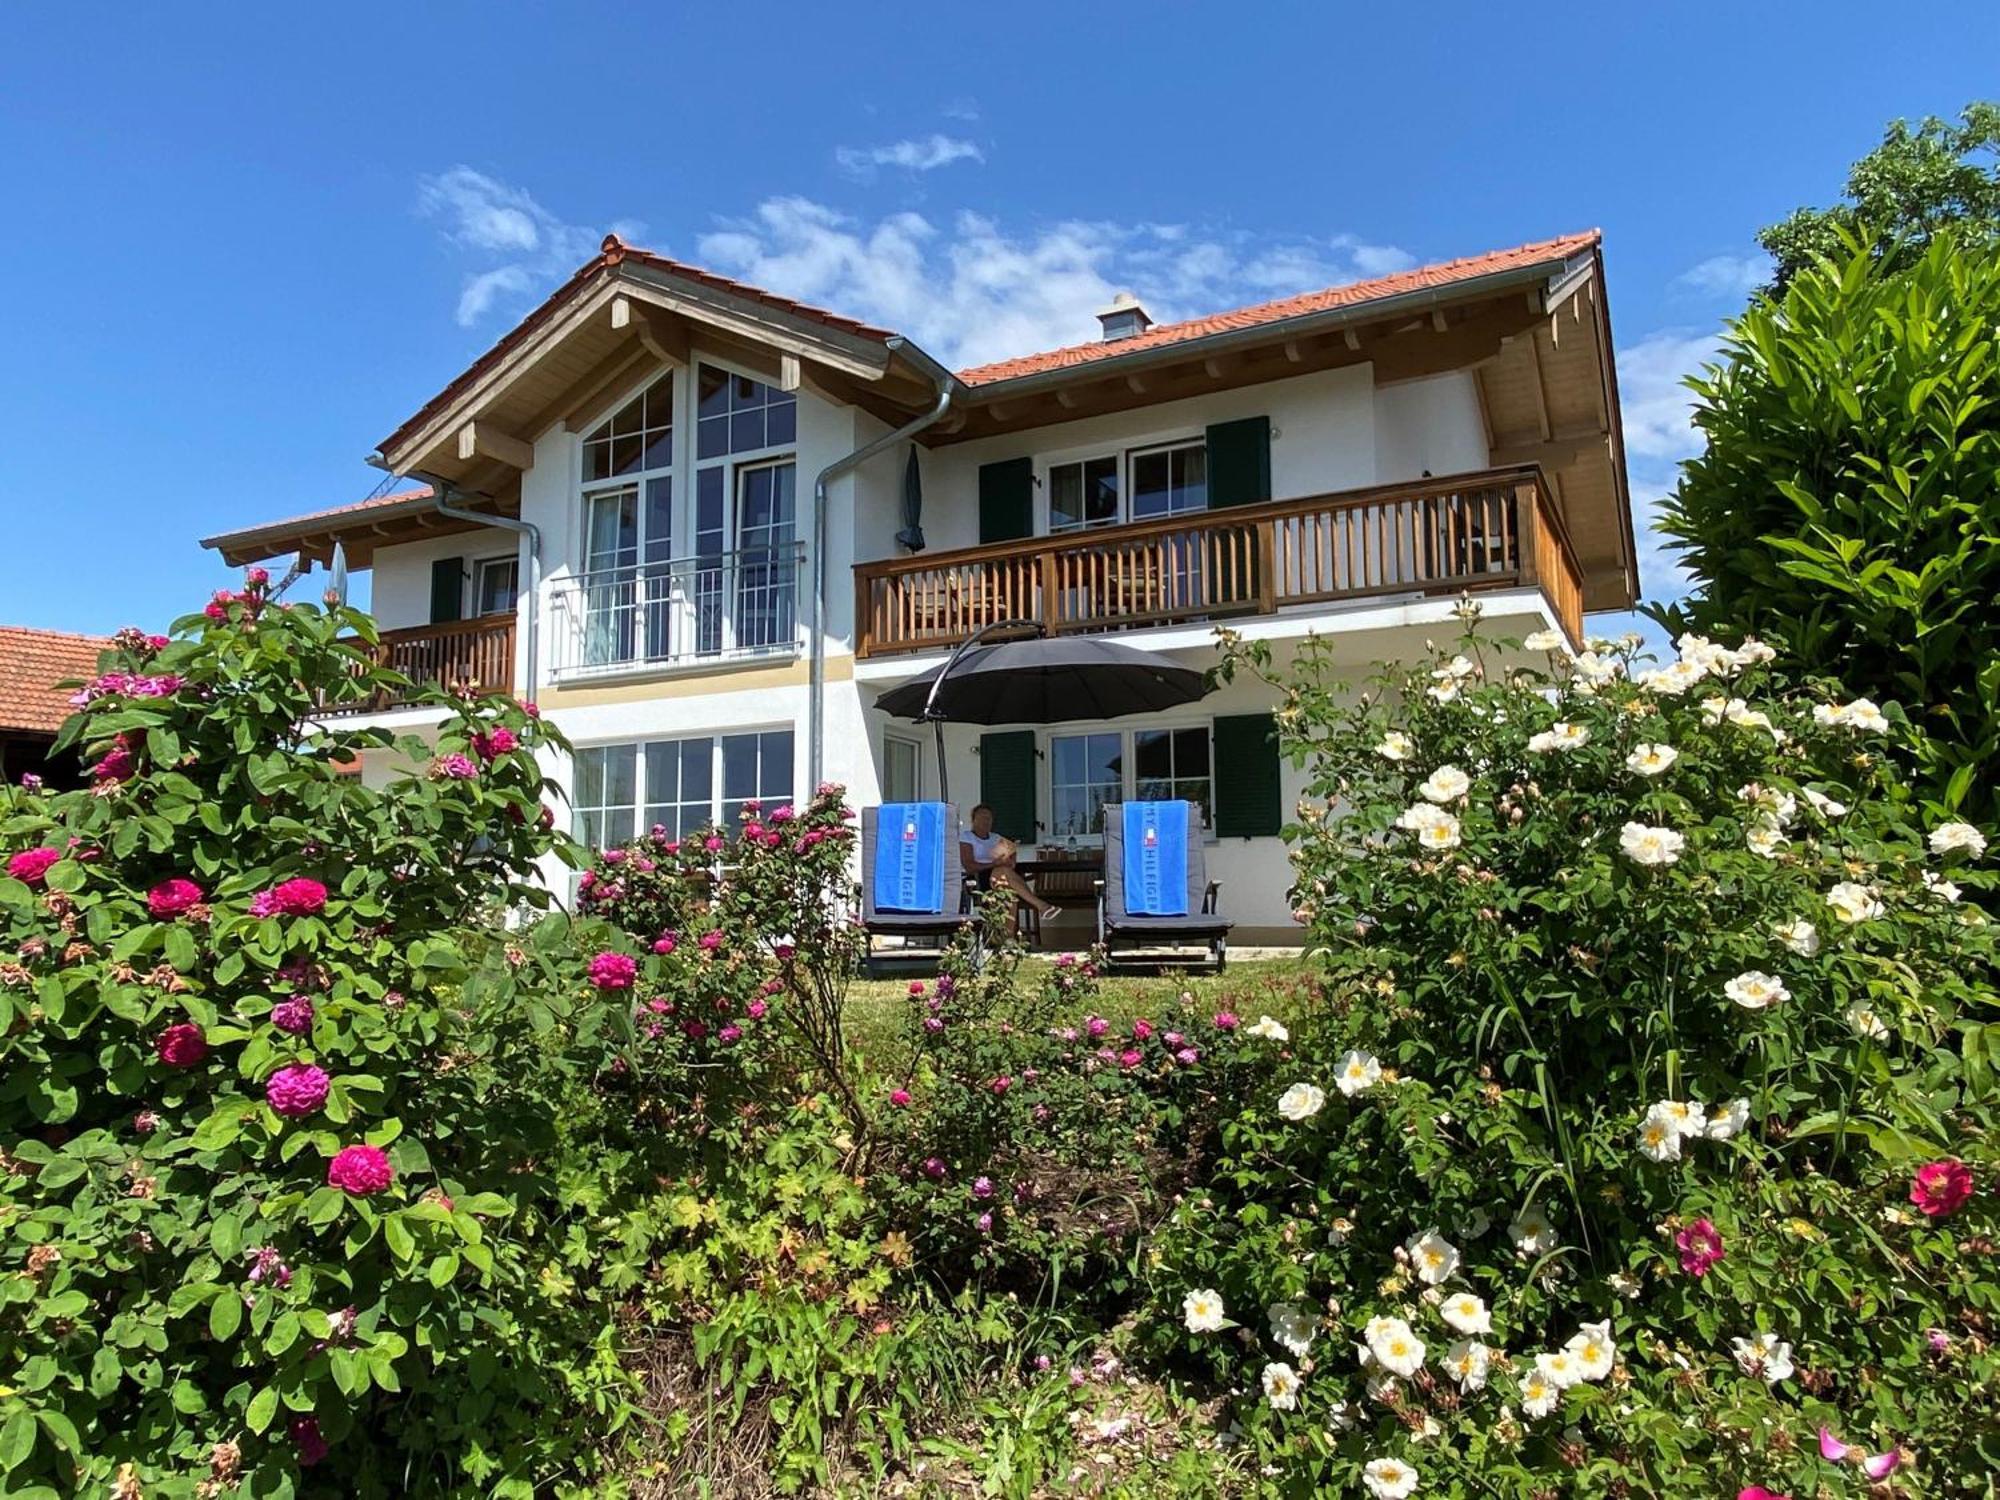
1492	529
467	656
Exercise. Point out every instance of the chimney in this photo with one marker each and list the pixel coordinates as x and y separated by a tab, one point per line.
1124	318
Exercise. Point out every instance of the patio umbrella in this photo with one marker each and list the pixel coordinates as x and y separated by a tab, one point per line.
912	534
1041	681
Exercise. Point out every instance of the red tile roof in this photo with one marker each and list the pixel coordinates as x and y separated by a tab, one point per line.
1423	278
421	492
32	662
614	252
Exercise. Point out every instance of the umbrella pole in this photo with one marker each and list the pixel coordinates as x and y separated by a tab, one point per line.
944	778
931	702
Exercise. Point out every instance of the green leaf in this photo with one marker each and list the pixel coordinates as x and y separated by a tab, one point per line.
17	1440
263	1407
225	1316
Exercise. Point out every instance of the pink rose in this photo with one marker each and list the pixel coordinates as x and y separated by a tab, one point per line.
1096	1026
1700	1246
31	866
360	1170
297	1090
613	971
307	1442
182	1045
1131	1057
294	1015
900	1098
173	896
729	1034
1001	1084
1142	1030
710	941
756	1010
299	897
490	745
1225	1020
1941	1188
145	1122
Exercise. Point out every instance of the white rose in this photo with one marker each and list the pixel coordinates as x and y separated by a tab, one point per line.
1559	1367
1389	1478
1466	1362
1543	640
1434	1257
1293	1326
1301	1102
1270	1030
1466	1312
1445	784
1560	736
1854	903
1957	838
1358	1072
1824	805
1644	844
1531	1231
1539	1394
1800	936
1395	745
1593	1350
1726	1121
1395	1346
1651	760
1765	839
1202	1310
1866	1023
1754	990
1766	1355
1281	1386
1660	1133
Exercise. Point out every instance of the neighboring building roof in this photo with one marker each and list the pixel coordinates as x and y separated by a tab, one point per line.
291	523
1423	278
32	662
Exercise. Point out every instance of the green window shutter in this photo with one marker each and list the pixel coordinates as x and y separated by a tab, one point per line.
1247	792
1239	463
1007	782
447	590
1007	500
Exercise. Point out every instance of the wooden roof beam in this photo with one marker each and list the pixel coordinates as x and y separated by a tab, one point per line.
484	440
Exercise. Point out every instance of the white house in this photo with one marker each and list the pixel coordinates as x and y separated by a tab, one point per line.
671	508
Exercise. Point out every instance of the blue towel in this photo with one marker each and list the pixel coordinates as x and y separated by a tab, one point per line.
1156	859
909	857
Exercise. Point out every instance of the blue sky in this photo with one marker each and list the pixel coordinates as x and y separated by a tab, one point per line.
240	245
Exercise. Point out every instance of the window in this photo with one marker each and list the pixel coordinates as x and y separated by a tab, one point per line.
1083	494
628	529
680	785
736	414
1172	765
902	769
1167	481
606	796
1088	771
495	585
1085	772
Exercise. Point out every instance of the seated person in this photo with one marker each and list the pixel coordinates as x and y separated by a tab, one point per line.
988	858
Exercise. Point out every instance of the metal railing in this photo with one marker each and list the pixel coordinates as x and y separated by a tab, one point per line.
718	607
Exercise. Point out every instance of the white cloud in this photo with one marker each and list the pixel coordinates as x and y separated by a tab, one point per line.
971	290
924	155
1659	433
1731	277
490	220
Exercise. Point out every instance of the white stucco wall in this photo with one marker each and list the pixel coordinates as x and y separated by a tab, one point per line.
1429	426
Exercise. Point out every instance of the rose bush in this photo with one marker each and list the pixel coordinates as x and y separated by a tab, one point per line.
272	1108
1645	1130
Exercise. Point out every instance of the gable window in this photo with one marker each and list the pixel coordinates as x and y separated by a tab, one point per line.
1083	494
679	785
744	586
628	529
1089	771
495	585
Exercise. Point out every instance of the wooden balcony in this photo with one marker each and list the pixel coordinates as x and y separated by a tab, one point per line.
1494	529
467	656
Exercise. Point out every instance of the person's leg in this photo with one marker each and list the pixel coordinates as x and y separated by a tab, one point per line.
1012	879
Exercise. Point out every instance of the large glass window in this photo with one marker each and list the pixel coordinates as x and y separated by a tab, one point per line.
1083	494
1089	771
737	414
1085	772
1167	481
680	785
636	438
606	796
628	529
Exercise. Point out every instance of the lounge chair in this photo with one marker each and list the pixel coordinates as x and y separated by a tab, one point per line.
1182	910
928	911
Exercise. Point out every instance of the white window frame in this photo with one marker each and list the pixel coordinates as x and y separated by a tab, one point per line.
915	747
733	467
586	489
1125	450
479	567
718	798
1127	769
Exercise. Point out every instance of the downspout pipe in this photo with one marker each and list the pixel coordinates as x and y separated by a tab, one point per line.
443	489
947	385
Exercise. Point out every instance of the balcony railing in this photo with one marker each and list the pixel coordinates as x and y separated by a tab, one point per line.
1497	528
465	656
724	606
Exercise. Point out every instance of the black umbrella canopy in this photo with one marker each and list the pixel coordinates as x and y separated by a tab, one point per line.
912	534
1049	681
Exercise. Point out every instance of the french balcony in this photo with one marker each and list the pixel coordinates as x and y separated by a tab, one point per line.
690	612
1493	529
462	656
